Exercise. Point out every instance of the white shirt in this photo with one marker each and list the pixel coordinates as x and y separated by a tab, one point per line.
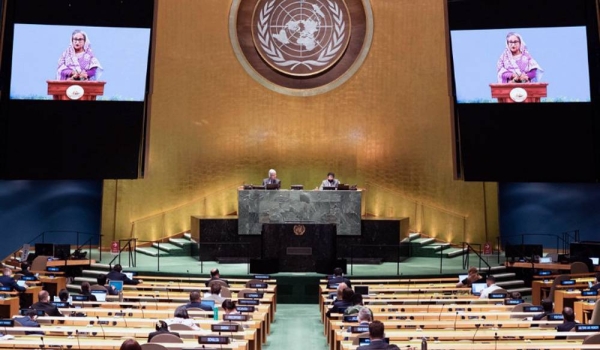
486	291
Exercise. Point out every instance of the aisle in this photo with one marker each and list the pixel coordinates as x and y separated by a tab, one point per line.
297	326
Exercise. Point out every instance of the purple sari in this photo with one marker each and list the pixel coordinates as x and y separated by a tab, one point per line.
508	64
70	62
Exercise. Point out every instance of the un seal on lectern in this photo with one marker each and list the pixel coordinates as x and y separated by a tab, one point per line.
299	230
301	47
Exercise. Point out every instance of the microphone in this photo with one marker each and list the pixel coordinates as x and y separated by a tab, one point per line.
188	274
418	296
77	336
124	320
142	308
101	327
155	302
429	304
455	319
441	310
495	341
477	330
42	345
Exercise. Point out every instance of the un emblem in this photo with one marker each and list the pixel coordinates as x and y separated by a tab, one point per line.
299	230
301	47
301	37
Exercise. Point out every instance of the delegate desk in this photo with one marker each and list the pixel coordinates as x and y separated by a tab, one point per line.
583	309
258	207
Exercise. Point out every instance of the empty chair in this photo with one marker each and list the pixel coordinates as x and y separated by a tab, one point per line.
555	283
150	346
242	292
592	339
221	282
500	290
252	281
519	309
225	292
595	319
167	338
182	327
579	267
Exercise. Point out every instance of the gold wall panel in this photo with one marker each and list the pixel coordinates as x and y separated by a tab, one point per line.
212	128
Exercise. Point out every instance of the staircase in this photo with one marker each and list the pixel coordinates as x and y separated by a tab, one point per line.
430	248
176	246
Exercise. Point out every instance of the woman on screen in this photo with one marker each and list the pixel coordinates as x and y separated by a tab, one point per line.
78	61
516	64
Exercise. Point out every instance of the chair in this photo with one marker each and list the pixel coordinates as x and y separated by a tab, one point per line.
150	346
356	339
252	281
595	318
555	283
213	282
225	292
167	338
519	308
182	327
18	324
592	339
579	267
98	287
241	293
500	290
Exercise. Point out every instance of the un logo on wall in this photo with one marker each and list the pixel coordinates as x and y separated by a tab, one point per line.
301	37
301	47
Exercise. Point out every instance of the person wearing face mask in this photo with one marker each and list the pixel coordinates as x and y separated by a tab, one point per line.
330	181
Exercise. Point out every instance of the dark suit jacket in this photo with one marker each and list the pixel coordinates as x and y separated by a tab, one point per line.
595	286
48	308
337	305
269	181
151	335
378	344
118	276
8	281
199	306
340	279
565	327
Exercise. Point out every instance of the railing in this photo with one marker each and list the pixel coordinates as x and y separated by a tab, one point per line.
563	239
48	236
399	252
467	255
200	253
132	255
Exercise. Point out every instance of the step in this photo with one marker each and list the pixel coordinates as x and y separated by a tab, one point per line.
180	242
522	290
93	272
100	266
187	235
80	280
437	246
502	276
151	252
412	236
454	252
167	247
423	241
513	283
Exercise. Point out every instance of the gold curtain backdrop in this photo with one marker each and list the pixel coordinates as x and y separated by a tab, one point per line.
213	128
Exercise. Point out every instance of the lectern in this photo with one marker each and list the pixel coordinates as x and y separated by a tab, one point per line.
74	90
519	92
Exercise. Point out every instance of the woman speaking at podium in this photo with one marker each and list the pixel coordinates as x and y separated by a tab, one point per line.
516	64
78	62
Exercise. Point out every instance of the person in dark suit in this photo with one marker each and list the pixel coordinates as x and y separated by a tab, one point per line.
161	328
272	179
117	275
7	280
338	277
596	285
568	322
376	334
548	308
29	321
44	304
85	290
101	280
215	275
195	302
341	305
25	270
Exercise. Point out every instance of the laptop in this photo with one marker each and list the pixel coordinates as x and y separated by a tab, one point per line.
462	277
210	303
272	186
99	294
56	299
476	288
22	283
129	275
546	260
329	188
595	261
117	285
362	290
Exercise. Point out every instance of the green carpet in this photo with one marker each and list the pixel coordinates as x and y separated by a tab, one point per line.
297	327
